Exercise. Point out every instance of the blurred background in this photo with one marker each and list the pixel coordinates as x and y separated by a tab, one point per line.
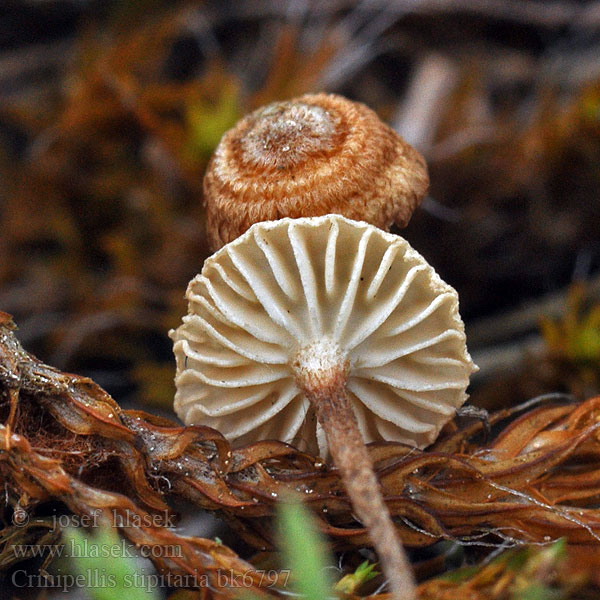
109	111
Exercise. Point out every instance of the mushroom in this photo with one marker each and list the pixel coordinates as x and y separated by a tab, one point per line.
326	333
311	156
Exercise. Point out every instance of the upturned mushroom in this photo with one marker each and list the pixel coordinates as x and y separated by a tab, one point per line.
311	156
326	333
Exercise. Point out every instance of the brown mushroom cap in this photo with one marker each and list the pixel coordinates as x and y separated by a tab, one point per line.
311	156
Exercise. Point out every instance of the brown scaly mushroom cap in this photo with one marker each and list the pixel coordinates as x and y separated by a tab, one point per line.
311	156
325	332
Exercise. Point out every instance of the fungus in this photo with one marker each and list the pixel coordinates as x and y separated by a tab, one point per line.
326	333
311	156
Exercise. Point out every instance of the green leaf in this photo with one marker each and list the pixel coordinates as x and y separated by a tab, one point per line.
538	591
305	551
352	582
207	122
102	563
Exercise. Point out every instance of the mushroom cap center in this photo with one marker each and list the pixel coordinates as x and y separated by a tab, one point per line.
320	364
284	134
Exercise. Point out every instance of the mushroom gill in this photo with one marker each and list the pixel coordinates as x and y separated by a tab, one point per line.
290	293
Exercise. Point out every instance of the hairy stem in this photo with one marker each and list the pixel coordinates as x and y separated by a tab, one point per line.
326	390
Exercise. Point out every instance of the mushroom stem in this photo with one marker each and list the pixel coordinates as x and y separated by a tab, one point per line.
325	388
